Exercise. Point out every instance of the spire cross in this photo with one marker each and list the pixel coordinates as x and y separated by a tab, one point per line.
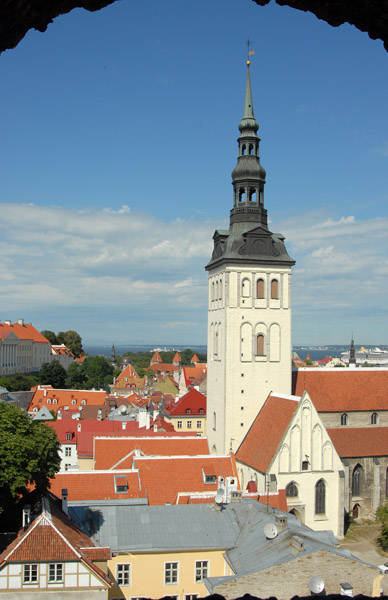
248	43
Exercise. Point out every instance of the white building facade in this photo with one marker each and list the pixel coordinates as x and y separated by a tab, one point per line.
249	312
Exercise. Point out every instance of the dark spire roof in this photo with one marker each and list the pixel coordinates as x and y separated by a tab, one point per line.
248	238
352	353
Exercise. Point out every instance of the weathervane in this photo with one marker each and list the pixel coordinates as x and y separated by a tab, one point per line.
250	52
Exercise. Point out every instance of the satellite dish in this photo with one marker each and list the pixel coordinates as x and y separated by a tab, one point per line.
219	496
270	531
317	585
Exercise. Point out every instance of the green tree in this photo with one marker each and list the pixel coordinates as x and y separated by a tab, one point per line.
72	340
19	382
382	517
50	336
53	374
28	455
99	372
75	376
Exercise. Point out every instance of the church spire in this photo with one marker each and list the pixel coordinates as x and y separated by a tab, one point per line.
248	176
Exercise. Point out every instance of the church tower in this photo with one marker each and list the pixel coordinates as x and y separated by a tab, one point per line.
249	312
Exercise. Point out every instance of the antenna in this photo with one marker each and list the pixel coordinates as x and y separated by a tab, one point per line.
317	585
270	531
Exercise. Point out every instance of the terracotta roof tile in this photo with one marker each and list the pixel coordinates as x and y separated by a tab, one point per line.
156	358
55	399
177	357
96	485
164	478
193	401
129	373
360	441
266	432
191	373
340	390
119	452
23	332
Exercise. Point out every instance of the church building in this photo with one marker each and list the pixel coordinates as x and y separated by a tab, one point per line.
249	312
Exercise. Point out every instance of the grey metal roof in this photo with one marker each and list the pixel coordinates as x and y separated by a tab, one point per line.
161	528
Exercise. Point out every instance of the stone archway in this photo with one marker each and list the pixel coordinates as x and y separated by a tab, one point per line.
297	514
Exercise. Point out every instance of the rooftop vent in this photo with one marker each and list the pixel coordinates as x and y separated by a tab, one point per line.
297	544
346	589
281	522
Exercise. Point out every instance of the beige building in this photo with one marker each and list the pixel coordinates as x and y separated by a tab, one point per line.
22	348
249	311
288	448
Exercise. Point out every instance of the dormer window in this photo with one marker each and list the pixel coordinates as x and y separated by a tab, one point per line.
74	401
121	484
55	401
188	411
48	401
83	402
68	436
201	411
210	479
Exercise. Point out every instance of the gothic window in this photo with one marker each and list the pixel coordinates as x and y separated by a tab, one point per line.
260	288
214	421
260	345
305	465
373	419
320	497
274	289
291	490
344	419
356	480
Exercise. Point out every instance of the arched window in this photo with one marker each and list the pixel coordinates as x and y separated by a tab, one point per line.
274	289
241	195
214	421
245	288
252	195
260	345
250	149
291	490
344	419
243	149
356	480
373	419
320	497
260	288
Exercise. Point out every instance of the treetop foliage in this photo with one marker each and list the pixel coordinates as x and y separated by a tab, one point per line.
28	455
71	339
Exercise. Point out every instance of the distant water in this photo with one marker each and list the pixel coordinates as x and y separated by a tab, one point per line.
105	349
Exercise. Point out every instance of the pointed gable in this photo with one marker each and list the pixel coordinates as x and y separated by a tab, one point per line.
266	432
127	373
195	359
177	358
156	358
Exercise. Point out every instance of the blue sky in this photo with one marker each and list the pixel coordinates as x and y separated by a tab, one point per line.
119	136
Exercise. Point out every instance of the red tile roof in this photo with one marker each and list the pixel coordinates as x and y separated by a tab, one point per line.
339	390
192	403
127	373
164	478
163	368
54	399
195	359
360	441
276	500
266	432
52	536
191	373
118	453
156	358
96	485
177	357
61	350
23	332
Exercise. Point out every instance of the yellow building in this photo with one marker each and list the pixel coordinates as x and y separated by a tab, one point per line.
188	414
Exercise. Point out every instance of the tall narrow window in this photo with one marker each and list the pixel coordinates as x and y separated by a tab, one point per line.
344	419
320	497
373	419
241	195
260	345
356	481
245	288
274	289
260	288
171	573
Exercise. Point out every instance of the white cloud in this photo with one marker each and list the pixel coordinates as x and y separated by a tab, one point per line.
148	275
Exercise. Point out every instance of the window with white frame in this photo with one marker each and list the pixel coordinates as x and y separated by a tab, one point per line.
189	424
199	424
67	466
30	573
123	574
179	425
68	437
201	570
170	573
67	450
55	572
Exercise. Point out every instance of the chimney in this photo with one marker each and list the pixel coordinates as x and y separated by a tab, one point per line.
297	544
346	589
281	522
124	424
20	321
59	414
148	420
7	322
26	515
64	501
79	426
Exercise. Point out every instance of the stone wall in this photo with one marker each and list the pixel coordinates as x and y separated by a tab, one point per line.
356	418
292	578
